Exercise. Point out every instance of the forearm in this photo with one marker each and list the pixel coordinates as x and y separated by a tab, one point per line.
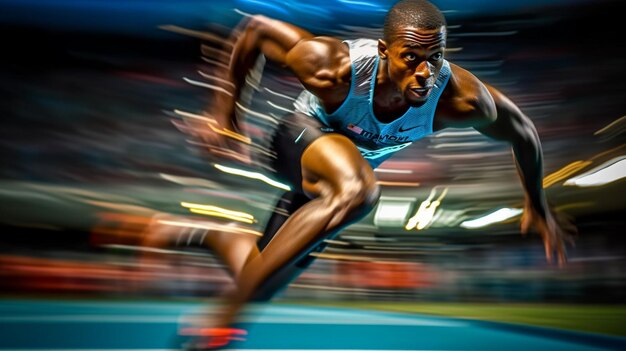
529	160
244	53
514	127
554	230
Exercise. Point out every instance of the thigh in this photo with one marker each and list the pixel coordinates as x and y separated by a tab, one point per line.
289	203
331	158
333	163
295	134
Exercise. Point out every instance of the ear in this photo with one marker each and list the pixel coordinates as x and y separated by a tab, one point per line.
382	49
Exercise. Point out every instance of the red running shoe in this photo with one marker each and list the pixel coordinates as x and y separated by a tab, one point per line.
211	338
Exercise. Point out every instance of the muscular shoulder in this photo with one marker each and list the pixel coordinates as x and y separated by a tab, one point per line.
321	63
466	101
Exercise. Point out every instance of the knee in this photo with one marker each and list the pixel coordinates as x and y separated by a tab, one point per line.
368	197
356	199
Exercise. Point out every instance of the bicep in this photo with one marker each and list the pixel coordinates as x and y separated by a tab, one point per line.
320	63
509	123
276	38
314	60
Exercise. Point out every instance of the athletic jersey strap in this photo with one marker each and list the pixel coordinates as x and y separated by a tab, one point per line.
355	118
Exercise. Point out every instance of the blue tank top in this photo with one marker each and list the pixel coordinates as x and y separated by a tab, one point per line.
355	118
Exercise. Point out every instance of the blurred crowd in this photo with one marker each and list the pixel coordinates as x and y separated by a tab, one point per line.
96	161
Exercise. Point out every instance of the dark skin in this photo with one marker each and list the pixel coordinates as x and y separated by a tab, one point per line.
340	183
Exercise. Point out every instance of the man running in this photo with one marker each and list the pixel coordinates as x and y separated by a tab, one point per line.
363	101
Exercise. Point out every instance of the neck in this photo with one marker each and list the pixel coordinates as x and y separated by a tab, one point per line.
389	102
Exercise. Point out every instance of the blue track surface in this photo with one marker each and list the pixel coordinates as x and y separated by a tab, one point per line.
96	325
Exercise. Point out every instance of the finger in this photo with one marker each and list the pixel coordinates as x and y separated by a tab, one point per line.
548	249
566	222
569	227
524	226
561	252
570	240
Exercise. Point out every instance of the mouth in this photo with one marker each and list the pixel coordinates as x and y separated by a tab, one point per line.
421	92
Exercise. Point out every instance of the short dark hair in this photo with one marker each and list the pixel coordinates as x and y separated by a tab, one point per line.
412	13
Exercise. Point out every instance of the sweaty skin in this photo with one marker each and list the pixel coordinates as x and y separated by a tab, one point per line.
340	183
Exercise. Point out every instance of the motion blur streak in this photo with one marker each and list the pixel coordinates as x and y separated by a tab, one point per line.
252	175
341	257
614	128
279	94
279	107
577	166
103	139
564	172
196	34
494	217
608	172
211	226
210	122
208	86
257	114
219	212
216	209
208	76
388	183
426	211
396	171
190	181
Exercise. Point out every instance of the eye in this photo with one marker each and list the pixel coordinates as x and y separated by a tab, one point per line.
409	56
436	57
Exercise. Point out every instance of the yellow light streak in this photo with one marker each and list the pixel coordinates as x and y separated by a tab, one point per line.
221	215
426	212
215	211
253	175
211	123
211	226
564	172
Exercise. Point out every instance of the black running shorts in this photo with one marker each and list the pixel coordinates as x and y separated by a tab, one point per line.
293	135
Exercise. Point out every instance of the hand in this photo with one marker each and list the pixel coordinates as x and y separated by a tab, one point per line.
227	143
221	143
555	229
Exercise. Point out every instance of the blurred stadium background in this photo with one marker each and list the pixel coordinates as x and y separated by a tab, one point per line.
94	160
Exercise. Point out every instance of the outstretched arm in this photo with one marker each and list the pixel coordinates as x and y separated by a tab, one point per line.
512	125
254	36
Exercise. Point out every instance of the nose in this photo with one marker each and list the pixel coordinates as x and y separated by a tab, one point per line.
423	70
